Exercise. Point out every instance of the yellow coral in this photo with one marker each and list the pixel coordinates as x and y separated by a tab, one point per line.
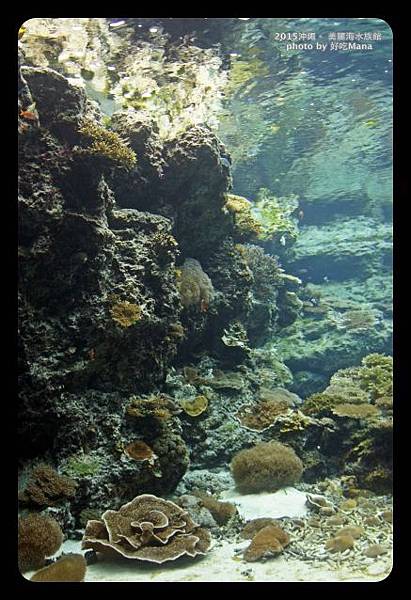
356	411
125	313
195	406
107	144
245	223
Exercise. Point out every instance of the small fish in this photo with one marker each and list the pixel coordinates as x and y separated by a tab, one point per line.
21	32
274	128
325	278
92	354
282	240
371	123
224	161
30	113
300	215
203	305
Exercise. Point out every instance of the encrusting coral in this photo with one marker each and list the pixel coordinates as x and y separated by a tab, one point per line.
221	511
38	538
46	487
246	226
148	529
268	466
71	567
261	416
270	540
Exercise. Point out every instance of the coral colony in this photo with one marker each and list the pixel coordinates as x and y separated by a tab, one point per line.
205	319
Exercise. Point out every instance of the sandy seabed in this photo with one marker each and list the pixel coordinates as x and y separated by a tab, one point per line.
221	564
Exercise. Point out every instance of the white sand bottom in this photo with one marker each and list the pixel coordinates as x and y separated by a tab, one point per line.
221	564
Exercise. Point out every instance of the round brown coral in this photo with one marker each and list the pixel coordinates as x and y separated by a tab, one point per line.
266	467
38	537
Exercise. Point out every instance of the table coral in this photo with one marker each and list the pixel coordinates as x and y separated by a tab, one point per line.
149	529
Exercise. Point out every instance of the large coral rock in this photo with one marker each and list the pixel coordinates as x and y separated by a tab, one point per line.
148	529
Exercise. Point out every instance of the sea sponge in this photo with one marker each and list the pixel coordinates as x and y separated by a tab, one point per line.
270	540
38	537
71	567
266	467
46	487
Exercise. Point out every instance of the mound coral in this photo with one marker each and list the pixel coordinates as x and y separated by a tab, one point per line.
38	538
46	487
71	567
270	540
195	286
148	529
268	466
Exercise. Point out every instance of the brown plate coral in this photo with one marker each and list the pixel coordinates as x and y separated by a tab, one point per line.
149	529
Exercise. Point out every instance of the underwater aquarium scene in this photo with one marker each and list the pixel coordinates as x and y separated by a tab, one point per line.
205	300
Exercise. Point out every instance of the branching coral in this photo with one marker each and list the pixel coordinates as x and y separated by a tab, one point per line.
46	487
266	467
364	386
38	537
267	275
194	285
125	313
71	567
148	529
106	144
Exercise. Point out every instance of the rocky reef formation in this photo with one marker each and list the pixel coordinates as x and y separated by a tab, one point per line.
128	265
